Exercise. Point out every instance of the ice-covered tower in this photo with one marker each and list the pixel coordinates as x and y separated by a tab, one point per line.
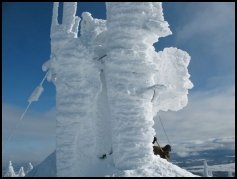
77	81
110	81
135	78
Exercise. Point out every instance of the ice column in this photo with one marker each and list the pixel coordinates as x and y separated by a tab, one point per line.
77	82
129	69
93	32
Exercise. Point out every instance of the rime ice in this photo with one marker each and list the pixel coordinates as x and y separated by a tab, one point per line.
110	83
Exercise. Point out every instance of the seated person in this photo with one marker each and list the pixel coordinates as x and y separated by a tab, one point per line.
164	152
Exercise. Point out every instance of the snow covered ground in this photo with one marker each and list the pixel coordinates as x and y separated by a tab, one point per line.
191	164
156	167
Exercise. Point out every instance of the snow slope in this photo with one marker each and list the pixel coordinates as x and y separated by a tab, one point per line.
46	168
156	167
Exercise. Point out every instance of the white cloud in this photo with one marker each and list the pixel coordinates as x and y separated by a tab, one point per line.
209	30
33	139
209	18
191	148
207	122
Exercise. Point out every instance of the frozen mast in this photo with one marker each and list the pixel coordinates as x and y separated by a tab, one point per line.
135	80
77	84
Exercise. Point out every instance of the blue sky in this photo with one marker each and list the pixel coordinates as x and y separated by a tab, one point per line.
26	46
204	30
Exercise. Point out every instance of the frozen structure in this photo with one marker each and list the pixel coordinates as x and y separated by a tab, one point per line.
21	173
110	83
77	81
206	172
10	172
140	81
29	167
